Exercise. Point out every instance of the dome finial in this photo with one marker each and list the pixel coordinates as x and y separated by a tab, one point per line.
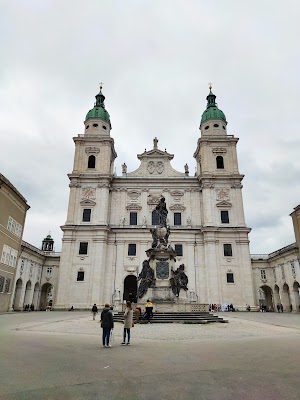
211	98
100	98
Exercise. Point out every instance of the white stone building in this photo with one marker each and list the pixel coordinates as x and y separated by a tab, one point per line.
107	229
36	276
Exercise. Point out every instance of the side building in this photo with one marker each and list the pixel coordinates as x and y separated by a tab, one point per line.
13	209
107	229
36	276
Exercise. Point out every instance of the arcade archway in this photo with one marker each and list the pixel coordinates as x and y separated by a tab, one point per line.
130	289
267	298
46	296
286	297
16	303
28	294
296	296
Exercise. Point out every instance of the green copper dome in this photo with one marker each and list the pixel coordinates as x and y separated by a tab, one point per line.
99	109
212	111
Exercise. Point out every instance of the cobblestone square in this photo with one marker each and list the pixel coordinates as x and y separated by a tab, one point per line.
58	355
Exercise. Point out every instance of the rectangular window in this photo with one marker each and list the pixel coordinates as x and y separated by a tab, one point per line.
132	249
263	274
7	257
86	216
177	218
14	227
282	272
227	250
178	249
9	224
83	247
133	218
230	277
80	276
7	285
2	279
225	217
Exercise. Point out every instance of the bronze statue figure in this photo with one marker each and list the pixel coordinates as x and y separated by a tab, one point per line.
162	212
179	280
146	278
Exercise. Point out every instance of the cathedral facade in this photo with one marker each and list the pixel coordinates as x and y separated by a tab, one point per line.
107	232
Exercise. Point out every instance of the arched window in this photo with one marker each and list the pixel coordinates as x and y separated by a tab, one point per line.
155	220
220	162
92	162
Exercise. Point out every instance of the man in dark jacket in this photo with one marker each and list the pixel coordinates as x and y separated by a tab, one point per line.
94	311
107	324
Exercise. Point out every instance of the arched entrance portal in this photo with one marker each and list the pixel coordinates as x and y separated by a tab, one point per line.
276	296
267	299
296	296
46	296
36	295
130	288
28	294
286	298
16	304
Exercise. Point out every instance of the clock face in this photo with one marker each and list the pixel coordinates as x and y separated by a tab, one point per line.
89	193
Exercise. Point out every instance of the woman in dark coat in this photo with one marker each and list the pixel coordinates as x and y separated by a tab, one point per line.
107	324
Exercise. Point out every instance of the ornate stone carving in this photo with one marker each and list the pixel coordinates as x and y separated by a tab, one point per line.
237	185
224	204
151	167
222	194
92	150
219	150
89	193
153	199
177	207
158	167
124	168
88	202
133	206
134	195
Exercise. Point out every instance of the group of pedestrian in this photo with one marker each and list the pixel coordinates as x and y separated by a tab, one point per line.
279	307
28	307
107	324
107	321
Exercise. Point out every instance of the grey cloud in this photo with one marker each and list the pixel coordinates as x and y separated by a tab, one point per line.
155	59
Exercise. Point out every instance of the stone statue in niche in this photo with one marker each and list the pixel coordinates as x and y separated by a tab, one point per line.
179	280
122	221
186	169
146	278
189	221
144	221
124	168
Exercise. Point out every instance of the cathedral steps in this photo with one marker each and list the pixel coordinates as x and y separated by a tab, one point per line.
177	317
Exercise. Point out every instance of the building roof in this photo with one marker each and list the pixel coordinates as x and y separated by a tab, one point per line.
99	110
11	186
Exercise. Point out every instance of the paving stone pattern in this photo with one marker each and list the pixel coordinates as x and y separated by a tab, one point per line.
236	328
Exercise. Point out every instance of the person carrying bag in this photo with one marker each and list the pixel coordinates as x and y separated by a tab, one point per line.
128	323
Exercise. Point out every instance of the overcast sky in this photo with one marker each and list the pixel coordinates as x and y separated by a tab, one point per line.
155	59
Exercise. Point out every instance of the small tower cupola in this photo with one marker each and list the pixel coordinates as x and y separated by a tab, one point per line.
48	243
97	120
213	120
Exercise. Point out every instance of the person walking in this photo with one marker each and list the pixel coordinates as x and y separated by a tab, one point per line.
128	323
94	311
107	324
